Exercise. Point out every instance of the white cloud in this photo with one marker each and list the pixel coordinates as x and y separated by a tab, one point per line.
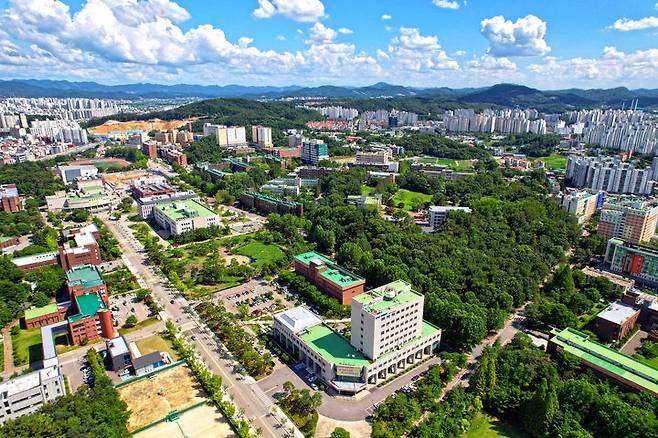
419	53
489	63
321	33
446	4
525	37
298	10
280	38
345	31
459	53
626	25
243	42
386	17
609	69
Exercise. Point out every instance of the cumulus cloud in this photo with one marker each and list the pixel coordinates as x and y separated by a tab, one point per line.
610	68
524	37
298	10
280	38
446	4
415	52
489	63
459	53
386	17
321	33
626	25
345	31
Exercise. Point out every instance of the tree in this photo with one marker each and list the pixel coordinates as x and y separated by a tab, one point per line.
131	321
40	299
339	432
80	215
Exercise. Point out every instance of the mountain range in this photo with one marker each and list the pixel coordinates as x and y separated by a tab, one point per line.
509	95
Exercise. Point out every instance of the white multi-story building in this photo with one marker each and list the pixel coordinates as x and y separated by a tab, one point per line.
261	135
185	215
24	395
71	173
388	335
439	213
610	174
378	158
583	204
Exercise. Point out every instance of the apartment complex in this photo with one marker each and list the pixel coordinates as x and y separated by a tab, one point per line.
261	135
26	394
269	204
226	136
388	335
185	215
507	121
10	202
439	213
616	366
632	220
314	151
329	277
583	204
610	174
636	261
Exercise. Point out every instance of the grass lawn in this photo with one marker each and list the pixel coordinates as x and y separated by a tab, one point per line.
102	165
260	252
120	281
486	426
62	344
27	346
553	161
156	343
367	190
139	325
459	165
409	198
202	290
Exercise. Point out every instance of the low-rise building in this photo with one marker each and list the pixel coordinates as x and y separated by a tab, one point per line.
26	394
10	201
619	284
118	353
71	173
439	170
290	185
269	204
145	205
329	277
439	213
616	366
90	317
378	158
147	363
374	201
187	215
615	321
375	351
42	316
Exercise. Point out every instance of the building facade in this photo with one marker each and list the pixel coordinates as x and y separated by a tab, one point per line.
10	201
327	276
615	321
268	204
439	213
583	204
261	135
26	394
631	220
638	262
314	151
181	216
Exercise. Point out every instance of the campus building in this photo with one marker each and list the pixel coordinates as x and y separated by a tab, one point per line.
10	202
615	321
186	215
90	317
314	151
365	201
261	135
268	204
439	213
26	394
582	204
145	204
631	220
329	277
388	335
43	316
289	185
70	173
616	366
638	262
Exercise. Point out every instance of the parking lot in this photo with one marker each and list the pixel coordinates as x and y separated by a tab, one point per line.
259	296
125	305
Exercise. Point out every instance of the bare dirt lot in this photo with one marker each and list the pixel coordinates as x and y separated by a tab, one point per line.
153	398
203	421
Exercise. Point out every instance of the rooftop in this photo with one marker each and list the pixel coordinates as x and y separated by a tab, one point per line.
332	346
117	346
333	273
184	209
28	381
146	360
387	297
41	311
617	312
89	304
610	360
35	258
88	275
297	319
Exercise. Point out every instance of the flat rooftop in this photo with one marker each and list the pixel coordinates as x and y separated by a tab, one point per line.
297	319
184	209
28	381
89	305
333	273
41	311
617	312
88	275
387	297
36	258
613	361
332	346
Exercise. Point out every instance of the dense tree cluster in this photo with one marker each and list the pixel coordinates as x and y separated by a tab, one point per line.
301	406
438	146
200	234
91	412
108	244
32	178
239	343
521	384
533	145
327	304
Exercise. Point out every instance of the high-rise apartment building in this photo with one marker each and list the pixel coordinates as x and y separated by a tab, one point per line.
261	135
632	220
314	151
583	204
610	174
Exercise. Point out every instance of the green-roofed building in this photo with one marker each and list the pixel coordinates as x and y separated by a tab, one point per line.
185	215
389	317
616	366
328	276
42	316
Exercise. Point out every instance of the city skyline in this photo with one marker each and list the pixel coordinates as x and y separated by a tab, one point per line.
434	43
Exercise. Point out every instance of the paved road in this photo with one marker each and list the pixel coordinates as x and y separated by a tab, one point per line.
246	395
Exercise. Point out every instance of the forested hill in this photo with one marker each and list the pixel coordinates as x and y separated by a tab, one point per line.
242	112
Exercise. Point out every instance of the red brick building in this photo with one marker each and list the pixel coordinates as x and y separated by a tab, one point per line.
268	204
615	321
151	150
10	202
42	316
91	318
329	277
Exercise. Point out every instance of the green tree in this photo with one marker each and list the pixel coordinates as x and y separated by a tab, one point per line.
131	321
40	299
339	432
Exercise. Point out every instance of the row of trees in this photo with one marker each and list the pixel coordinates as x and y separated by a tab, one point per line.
328	305
107	243
302	407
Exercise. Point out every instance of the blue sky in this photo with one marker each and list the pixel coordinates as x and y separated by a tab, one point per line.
456	43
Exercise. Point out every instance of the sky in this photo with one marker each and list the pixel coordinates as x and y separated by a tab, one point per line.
552	44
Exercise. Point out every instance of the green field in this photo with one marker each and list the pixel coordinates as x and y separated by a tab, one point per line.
27	346
259	252
139	325
553	161
156	343
486	426
367	190
459	165
120	281
410	199
102	165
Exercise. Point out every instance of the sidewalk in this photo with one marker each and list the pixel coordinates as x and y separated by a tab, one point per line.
9	353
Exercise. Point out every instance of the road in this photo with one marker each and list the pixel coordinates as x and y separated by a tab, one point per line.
245	392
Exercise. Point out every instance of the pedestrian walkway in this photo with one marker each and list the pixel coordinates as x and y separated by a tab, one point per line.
8	352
